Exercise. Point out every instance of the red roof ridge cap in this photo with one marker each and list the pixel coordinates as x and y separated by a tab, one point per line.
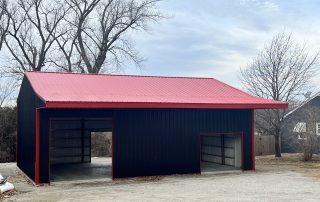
126	75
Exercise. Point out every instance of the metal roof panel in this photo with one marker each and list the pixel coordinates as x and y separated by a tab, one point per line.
70	89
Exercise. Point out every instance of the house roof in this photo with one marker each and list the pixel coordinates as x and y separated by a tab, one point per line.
301	105
73	90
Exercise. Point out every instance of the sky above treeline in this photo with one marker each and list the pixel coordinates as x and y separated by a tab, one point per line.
215	38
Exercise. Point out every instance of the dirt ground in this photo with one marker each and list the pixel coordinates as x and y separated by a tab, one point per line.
275	179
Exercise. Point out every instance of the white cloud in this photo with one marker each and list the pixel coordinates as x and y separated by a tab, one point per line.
216	38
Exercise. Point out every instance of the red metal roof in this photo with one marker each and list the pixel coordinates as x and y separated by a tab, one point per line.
72	90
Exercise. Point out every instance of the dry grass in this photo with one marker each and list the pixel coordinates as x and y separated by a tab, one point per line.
148	178
289	159
292	162
18	177
7	194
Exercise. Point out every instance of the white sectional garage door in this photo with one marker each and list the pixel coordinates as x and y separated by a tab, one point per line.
222	149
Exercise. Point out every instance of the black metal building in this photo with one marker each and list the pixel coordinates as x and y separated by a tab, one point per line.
159	125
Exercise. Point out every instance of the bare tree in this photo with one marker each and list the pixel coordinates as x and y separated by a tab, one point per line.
73	35
282	71
4	21
101	27
34	27
7	91
67	58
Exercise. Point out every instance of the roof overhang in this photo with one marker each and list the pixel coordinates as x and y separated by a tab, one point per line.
280	105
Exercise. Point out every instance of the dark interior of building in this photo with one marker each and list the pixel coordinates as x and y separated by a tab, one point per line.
71	149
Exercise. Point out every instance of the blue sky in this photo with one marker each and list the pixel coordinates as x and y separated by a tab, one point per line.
214	38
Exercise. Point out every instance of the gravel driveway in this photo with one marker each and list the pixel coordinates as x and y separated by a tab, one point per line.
268	183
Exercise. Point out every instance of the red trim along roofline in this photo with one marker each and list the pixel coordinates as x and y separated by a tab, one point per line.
162	105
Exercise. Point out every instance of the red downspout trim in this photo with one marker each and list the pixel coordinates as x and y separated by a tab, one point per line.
252	141
37	159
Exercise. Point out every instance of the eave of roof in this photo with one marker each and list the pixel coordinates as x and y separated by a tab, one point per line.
163	105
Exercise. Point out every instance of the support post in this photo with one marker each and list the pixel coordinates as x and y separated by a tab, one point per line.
82	140
222	150
37	148
252	141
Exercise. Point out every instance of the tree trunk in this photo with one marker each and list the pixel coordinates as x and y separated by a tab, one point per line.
308	149
277	145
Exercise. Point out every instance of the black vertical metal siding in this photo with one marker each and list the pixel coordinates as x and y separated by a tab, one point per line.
27	103
155	141
166	141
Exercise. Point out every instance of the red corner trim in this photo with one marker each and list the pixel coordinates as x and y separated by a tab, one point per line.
37	163
252	141
112	146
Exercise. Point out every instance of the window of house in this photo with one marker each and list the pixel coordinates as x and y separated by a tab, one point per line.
318	128
301	127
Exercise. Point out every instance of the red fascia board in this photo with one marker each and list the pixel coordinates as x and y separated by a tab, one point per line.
164	105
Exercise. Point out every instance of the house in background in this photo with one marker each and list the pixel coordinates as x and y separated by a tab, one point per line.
302	119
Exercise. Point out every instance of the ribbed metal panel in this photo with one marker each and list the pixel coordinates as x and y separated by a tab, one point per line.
155	141
63	90
166	141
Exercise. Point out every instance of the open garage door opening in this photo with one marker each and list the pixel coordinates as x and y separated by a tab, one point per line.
80	149
221	152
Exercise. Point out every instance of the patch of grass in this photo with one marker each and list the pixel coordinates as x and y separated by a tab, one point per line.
148	178
288	159
7	194
293	162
